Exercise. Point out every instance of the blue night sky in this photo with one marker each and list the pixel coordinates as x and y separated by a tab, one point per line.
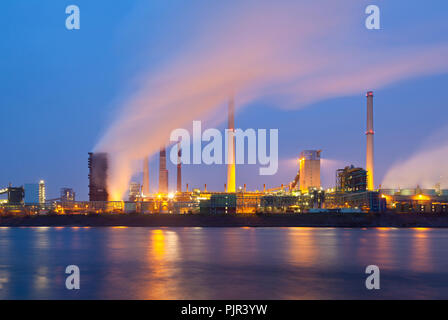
61	89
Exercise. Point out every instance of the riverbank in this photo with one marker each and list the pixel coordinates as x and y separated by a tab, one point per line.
346	220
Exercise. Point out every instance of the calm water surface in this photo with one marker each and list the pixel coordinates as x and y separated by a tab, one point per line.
223	263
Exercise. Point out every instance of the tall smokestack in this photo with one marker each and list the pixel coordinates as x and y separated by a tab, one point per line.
231	184
145	188
369	149
163	172
179	168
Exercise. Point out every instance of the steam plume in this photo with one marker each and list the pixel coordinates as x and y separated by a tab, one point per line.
425	168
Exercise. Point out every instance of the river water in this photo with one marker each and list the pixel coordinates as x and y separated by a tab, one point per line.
223	263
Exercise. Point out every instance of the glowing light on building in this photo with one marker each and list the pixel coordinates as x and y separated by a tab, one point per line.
231	179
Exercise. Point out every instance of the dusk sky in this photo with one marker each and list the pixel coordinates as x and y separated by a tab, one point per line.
63	90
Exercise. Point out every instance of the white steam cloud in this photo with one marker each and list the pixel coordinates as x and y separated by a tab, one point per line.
425	168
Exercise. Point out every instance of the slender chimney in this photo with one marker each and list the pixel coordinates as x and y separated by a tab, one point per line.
231	183
145	188
163	172
369	149
179	168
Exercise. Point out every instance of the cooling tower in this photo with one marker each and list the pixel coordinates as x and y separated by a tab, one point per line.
369	143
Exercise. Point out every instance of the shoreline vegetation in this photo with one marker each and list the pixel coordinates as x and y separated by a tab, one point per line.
341	220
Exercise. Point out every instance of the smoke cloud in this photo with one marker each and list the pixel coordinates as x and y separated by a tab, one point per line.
425	168
284	51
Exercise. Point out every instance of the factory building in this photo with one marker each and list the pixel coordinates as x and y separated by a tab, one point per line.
15	195
98	166
351	192
416	200
31	193
35	193
67	195
219	204
351	179
134	191
366	201
309	170
42	192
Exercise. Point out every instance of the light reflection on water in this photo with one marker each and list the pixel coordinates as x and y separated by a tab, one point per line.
222	263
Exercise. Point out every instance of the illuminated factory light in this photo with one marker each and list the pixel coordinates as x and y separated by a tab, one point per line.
421	197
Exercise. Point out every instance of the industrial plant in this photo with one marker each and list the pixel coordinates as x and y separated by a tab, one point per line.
354	189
